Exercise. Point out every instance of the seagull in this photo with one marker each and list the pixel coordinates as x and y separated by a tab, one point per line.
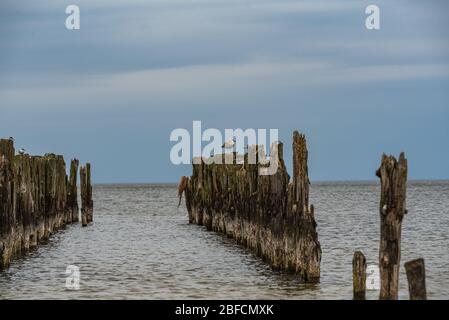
11	139
229	144
22	151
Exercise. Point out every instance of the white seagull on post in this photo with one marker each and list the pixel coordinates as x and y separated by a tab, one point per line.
229	144
22	151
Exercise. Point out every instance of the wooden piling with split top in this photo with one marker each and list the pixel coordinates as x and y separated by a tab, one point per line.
392	208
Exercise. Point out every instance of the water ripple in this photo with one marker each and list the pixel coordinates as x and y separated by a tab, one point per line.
141	246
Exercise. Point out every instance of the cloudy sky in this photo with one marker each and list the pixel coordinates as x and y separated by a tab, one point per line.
112	92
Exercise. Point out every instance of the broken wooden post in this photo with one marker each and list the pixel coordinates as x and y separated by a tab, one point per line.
307	247
72	192
266	213
86	195
359	276
393	179
416	277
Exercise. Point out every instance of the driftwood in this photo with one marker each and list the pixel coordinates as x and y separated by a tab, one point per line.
36	199
359	275
265	213
393	178
416	277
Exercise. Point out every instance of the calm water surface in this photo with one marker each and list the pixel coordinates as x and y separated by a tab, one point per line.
142	247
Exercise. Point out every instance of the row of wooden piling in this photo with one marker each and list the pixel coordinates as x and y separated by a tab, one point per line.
266	213
272	217
392	209
37	198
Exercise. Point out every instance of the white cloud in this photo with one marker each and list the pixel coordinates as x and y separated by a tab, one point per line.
203	81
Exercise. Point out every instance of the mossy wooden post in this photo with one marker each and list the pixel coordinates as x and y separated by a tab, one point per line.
86	195
83	187
416	277
359	276
7	215
55	193
300	172
308	247
393	179
90	203
72	192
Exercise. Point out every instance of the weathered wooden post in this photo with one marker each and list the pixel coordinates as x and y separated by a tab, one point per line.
90	203
359	275
7	215
308	246
416	277
83	187
72	192
86	195
300	172
393	178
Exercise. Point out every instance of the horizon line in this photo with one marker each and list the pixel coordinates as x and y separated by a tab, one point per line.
312	181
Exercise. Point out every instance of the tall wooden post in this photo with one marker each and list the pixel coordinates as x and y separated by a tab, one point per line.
72	192
7	202
86	196
89	202
416	277
359	275
393	178
300	171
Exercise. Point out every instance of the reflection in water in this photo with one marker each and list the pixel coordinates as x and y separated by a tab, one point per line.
141	246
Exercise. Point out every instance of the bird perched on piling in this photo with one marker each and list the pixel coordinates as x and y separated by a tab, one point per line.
22	151
11	139
229	144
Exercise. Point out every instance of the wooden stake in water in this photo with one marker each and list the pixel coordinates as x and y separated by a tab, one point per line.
393	179
416	277
86	195
72	192
359	275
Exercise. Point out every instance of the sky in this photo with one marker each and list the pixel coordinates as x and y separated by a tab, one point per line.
112	92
